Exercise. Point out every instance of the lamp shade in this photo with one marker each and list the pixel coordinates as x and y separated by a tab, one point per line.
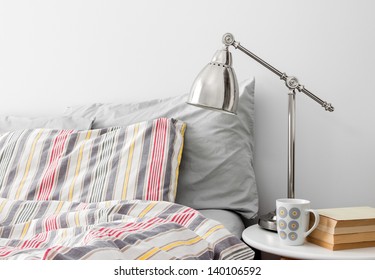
216	86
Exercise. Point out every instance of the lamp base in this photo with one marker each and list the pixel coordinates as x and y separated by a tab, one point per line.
268	221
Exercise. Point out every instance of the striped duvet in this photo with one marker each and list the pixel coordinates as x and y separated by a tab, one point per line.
134	229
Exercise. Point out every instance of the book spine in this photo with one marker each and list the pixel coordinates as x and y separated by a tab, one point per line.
343	246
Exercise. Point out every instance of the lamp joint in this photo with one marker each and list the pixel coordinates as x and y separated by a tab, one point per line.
228	39
292	83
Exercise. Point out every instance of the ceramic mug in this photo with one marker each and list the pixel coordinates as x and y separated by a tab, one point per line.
292	217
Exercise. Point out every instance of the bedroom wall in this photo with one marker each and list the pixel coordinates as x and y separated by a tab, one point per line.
59	53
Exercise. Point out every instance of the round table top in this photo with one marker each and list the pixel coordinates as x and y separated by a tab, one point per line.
268	241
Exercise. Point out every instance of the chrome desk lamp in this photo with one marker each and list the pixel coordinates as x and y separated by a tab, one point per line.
216	88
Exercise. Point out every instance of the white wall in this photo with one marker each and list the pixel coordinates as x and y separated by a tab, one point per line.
59	53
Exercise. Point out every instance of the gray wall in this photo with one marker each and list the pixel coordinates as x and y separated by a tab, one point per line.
59	53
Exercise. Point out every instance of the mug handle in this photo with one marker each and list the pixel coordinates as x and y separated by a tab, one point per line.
316	215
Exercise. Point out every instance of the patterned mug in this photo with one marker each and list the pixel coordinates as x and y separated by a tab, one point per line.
292	217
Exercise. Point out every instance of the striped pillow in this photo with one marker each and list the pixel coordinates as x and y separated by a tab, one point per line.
140	161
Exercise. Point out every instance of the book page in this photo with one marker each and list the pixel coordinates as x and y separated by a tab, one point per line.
349	213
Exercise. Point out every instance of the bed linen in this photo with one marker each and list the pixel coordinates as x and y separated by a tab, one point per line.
217	167
11	123
62	197
231	220
140	161
129	229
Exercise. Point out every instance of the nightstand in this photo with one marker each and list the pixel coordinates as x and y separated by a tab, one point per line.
268	241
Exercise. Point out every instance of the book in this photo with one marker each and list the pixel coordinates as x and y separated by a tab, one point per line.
346	220
341	246
343	238
344	228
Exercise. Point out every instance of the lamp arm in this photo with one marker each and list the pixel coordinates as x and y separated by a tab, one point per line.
290	81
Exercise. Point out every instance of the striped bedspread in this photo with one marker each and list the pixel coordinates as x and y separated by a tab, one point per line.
129	229
102	194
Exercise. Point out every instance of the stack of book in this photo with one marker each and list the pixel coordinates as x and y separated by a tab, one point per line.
344	228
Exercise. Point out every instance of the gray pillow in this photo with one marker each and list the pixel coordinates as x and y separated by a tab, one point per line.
216	170
11	123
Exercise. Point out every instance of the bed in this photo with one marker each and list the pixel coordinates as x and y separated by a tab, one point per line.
152	180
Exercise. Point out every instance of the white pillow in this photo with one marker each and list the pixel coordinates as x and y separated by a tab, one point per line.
11	123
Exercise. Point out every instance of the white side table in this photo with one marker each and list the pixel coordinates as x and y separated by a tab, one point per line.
268	241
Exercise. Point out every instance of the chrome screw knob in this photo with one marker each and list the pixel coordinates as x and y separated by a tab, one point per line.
228	39
292	82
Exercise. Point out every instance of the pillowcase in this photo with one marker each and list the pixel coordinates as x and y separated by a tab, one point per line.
216	170
140	161
11	123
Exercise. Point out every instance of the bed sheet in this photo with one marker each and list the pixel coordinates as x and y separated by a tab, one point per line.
132	229
231	221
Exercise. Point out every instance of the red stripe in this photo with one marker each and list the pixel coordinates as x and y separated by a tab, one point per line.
150	178
161	160
187	219
49	250
51	223
36	241
49	176
5	251
184	217
157	159
148	189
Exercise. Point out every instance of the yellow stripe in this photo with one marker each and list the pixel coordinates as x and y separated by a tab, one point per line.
179	243
76	218
59	206
147	209
208	233
25	229
28	163
168	247
129	164
183	128
78	167
2	205
149	254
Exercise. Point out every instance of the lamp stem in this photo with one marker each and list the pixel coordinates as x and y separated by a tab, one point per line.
291	82
237	45
291	142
